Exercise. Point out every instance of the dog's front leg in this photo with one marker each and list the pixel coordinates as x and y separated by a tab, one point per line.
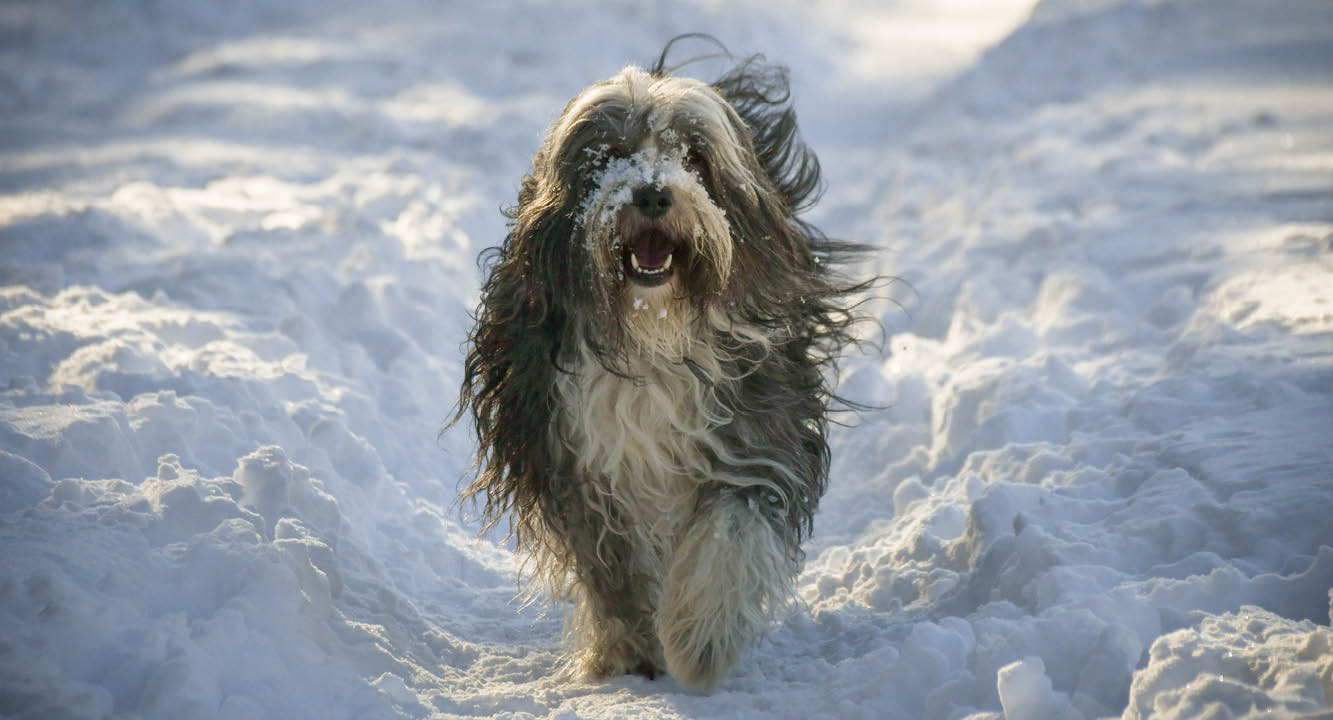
612	622
732	570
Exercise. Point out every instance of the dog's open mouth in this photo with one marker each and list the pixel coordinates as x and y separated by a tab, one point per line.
649	257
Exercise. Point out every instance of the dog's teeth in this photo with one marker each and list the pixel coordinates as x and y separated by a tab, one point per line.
639	269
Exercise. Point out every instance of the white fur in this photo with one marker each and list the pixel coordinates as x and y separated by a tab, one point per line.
729	576
641	440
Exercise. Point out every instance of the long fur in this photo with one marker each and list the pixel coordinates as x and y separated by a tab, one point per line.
660	452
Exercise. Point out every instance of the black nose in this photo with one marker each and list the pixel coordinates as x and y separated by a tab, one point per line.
652	201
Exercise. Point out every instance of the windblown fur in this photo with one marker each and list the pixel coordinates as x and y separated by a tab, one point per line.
649	371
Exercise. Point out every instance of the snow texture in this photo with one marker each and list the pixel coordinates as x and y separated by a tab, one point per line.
237	246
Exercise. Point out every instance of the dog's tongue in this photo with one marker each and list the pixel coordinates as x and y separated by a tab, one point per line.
652	250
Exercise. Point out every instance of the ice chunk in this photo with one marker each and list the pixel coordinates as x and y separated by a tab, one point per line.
1026	693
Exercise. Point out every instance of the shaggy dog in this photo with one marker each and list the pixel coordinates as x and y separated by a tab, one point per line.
649	374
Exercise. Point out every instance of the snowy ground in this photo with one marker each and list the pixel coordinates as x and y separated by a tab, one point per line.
236	261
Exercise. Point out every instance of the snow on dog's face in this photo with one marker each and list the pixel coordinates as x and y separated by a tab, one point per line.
648	219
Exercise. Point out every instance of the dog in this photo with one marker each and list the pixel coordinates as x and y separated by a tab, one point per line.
651	367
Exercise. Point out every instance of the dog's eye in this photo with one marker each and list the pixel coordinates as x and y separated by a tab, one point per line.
697	162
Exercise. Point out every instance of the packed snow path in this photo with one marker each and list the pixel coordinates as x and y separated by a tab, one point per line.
237	247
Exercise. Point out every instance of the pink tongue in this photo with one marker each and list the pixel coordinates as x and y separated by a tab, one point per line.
652	250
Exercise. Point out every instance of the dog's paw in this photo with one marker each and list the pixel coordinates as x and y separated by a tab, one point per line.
700	663
647	668
611	649
606	650
606	663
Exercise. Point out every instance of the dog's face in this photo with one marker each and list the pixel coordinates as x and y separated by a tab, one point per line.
652	165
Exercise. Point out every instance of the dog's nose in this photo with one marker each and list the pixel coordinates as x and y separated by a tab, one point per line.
653	201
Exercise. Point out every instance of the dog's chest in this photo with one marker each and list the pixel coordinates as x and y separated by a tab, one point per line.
641	443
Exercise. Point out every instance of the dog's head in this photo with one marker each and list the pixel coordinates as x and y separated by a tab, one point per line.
661	205
652	160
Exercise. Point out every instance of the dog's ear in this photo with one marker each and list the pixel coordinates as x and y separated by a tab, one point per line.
509	372
538	245
760	93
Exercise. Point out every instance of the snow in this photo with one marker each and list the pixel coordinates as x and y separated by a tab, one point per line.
237	256
1248	662
612	184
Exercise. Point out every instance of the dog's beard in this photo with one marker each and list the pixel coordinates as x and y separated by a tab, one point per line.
655	276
